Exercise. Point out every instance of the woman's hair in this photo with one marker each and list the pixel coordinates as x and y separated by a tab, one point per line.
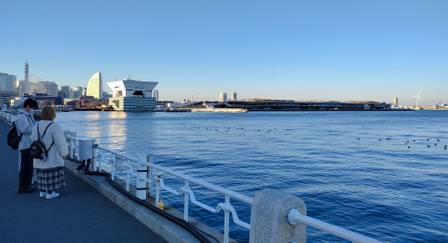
48	113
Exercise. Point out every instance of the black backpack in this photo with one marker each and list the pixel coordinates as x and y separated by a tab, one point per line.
37	148
13	137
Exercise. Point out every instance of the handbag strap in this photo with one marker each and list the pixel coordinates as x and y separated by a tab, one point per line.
49	148
45	131
43	134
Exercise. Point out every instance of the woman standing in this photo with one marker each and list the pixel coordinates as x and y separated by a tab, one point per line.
50	172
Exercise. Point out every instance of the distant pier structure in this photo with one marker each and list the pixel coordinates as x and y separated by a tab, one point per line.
132	95
291	105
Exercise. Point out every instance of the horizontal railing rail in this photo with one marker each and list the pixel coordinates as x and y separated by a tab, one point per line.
156	176
148	174
10	118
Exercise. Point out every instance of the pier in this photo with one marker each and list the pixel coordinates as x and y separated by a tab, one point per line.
81	214
110	208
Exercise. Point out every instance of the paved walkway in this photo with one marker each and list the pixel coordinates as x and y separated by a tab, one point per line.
80	214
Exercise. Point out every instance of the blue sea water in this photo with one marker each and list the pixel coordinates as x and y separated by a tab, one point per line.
383	174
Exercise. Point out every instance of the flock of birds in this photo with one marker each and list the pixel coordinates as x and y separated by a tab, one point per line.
228	129
429	142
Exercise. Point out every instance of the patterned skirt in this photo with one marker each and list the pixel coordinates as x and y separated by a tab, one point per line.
50	179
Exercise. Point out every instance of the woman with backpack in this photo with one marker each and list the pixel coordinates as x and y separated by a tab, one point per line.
48	149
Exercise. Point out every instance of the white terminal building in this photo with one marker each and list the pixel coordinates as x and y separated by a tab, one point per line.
132	95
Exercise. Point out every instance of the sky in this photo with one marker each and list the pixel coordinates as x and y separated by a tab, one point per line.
301	50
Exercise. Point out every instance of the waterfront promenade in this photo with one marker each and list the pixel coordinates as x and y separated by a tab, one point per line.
80	214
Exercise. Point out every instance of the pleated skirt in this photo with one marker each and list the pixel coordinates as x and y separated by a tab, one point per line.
50	179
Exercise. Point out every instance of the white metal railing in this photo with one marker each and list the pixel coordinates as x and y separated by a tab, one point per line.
155	174
7	117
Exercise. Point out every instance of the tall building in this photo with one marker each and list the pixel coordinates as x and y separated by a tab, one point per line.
7	82
223	97
95	86
395	102
132	95
27	72
76	92
65	91
234	96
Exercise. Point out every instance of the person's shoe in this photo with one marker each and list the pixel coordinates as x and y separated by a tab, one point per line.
43	194
52	195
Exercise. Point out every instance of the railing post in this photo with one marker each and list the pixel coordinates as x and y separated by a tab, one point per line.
149	176
141	186
268	219
72	148
186	199
100	160
94	162
128	175
158	189
226	220
112	174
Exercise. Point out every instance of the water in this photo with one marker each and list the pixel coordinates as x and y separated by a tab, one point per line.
352	169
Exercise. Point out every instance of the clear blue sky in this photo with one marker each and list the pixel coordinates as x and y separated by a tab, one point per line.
319	49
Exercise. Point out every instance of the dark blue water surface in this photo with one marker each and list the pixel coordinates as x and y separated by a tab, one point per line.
352	169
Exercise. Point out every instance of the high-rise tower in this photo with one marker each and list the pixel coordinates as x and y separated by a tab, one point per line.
27	72
95	86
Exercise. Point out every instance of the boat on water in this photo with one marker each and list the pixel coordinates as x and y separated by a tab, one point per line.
219	110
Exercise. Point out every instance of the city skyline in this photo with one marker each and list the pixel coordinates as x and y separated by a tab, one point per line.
349	50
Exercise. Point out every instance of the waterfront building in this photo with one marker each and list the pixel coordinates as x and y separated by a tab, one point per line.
223	97
84	103
234	96
48	87
395	102
156	94
6	96
95	86
132	95
7	82
44	99
42	87
65	92
291	105
76	92
25	88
